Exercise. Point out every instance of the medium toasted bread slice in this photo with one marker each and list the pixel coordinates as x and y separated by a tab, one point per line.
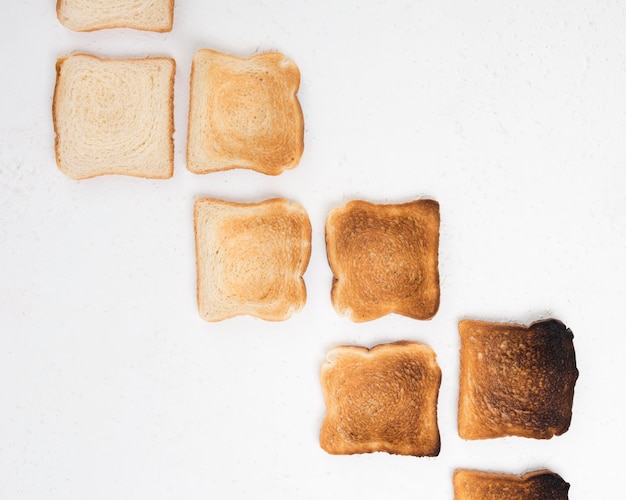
516	380
90	15
536	485
244	113
251	258
384	259
114	116
381	399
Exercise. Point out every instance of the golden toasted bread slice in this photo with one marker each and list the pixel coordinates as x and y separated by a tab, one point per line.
384	259
244	113
251	258
516	380
536	485
381	399
90	15
114	116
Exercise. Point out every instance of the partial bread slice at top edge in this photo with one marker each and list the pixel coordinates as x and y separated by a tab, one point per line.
244	113
516	380
536	485
251	258
92	15
114	116
381	399
384	259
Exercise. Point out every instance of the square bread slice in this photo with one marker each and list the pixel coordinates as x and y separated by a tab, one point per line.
516	380
384	259
114	116
244	113
381	399
251	258
536	485
90	15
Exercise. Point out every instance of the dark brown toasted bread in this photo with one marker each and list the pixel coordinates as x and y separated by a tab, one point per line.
536	485
516	380
384	259
381	399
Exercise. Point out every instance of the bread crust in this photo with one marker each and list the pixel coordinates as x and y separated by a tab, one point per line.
381	399
244	113
384	259
536	485
251	258
516	380
96	26
111	169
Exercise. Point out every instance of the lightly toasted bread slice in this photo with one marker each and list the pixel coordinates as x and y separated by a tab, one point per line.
384	259
251	258
244	113
91	15
536	485
516	380
381	399
114	116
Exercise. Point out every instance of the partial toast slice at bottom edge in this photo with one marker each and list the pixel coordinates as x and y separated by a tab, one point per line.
381	399
540	484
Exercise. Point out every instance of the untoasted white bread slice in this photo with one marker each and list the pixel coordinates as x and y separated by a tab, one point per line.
384	259
251	258
114	116
244	113
90	15
381	399
516	380
537	485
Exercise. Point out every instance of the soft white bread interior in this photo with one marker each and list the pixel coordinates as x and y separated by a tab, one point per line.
384	259
89	15
381	399
244	113
114	116
536	485
251	258
516	380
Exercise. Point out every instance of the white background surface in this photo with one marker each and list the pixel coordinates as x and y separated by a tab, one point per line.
511	114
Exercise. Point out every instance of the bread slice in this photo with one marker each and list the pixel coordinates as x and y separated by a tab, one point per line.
384	259
536	485
244	113
251	258
90	15
516	380
381	399
114	116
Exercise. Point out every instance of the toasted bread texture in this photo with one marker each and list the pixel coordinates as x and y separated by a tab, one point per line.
384	259
90	15
251	258
537	485
244	113
516	380
114	116
381	399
